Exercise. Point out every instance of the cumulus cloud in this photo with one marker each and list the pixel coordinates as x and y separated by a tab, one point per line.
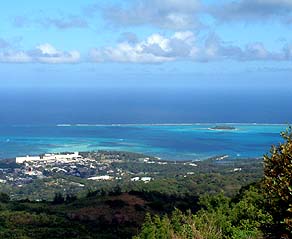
44	53
155	49
250	10
216	49
171	14
185	45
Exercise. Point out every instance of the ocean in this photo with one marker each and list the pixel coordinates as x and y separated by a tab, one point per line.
171	142
53	120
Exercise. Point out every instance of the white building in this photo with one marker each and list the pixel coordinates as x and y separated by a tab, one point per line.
49	157
61	157
28	158
135	179
34	173
104	177
146	179
236	169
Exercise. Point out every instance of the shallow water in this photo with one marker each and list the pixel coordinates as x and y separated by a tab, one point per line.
175	142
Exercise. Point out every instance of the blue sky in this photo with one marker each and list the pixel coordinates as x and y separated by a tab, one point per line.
146	43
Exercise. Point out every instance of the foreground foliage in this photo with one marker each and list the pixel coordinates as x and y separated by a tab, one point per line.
220	217
278	181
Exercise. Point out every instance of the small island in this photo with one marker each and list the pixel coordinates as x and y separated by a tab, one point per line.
223	127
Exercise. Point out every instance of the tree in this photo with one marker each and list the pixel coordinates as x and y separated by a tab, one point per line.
4	197
70	198
58	199
148	229
278	180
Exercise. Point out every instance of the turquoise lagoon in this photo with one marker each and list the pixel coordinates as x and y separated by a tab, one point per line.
167	141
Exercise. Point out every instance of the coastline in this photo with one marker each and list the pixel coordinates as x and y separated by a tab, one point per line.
167	141
169	124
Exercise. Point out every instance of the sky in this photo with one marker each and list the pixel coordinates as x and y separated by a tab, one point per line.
225	45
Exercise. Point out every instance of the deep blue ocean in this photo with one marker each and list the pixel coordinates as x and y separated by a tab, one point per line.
39	121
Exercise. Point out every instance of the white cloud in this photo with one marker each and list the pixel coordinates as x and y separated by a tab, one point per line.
253	10
125	52
69	57
185	45
15	57
155	49
171	14
47	49
44	53
48	54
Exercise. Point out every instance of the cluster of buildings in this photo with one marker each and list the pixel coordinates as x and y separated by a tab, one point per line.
50	158
91	166
143	179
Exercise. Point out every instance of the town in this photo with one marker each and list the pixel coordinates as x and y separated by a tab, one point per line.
72	173
91	166
84	168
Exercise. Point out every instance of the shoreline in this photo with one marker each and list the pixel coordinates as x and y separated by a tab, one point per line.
145	124
156	158
168	124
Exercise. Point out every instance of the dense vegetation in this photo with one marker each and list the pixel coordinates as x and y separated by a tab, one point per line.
243	216
278	182
210	204
262	210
